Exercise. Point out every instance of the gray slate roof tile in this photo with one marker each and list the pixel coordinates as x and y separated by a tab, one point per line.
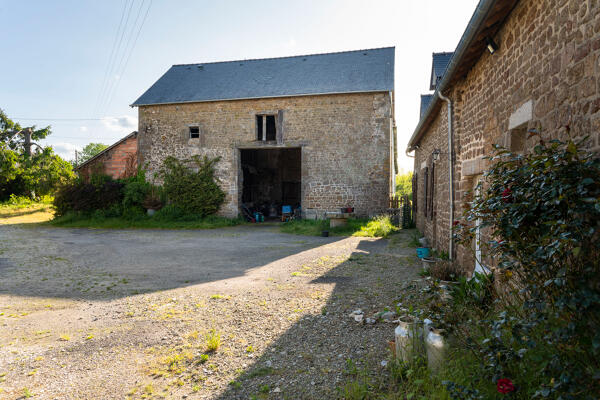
370	70
425	101
440	63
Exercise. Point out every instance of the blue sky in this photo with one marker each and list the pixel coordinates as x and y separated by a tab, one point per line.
56	53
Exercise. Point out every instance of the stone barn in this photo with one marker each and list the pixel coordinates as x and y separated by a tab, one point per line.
314	131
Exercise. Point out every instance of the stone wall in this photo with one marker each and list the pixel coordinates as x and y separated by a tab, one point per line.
112	161
344	139
544	76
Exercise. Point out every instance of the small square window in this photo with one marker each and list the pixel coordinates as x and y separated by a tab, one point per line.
194	132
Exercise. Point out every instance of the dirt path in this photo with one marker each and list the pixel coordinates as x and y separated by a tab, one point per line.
96	314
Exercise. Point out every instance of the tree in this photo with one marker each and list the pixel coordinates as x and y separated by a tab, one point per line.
24	172
89	151
404	184
20	139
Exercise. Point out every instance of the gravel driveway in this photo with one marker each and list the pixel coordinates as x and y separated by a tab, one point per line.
113	314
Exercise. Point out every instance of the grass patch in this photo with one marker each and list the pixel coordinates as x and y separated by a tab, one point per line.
213	341
74	220
375	227
22	210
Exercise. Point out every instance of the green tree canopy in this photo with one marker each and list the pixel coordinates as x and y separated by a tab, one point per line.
404	184
27	168
20	139
89	151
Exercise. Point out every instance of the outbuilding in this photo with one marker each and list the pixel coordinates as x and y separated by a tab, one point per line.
314	132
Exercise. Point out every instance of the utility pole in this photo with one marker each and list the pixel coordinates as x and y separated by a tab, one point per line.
76	158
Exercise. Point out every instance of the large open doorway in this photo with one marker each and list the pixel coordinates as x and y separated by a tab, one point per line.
271	180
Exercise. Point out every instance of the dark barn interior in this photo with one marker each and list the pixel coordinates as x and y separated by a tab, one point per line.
271	179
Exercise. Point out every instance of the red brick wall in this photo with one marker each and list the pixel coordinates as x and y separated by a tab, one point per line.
549	58
114	161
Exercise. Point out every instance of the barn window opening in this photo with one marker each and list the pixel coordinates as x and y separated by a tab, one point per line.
265	127
194	132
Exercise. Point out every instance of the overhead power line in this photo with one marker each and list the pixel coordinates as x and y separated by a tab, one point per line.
123	68
112	52
112	60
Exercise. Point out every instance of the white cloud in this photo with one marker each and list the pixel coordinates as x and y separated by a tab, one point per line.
65	150
123	124
83	128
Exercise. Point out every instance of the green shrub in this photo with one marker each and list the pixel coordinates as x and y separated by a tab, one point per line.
135	192
101	193
191	185
542	210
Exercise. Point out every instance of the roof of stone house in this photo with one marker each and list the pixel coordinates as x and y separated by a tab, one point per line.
438	67
425	100
488	18
106	150
370	70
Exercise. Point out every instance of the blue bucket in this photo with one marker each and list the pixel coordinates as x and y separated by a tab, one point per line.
422	252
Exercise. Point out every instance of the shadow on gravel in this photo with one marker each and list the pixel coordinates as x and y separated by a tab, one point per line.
107	264
319	353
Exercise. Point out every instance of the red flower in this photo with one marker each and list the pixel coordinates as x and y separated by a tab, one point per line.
505	385
455	223
507	195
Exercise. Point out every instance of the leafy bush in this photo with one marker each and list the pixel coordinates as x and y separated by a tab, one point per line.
542	212
191	185
101	193
135	192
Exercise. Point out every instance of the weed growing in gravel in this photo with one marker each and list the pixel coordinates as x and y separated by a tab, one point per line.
65	338
213	341
149	389
424	273
264	371
27	393
250	349
192	335
219	296
203	358
414	239
264	389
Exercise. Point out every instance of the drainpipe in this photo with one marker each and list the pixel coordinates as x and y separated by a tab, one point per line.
450	172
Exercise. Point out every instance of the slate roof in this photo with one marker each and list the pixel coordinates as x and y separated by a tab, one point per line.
425	101
370	70
439	65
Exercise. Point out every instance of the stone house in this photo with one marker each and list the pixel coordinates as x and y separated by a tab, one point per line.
520	65
116	160
314	131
